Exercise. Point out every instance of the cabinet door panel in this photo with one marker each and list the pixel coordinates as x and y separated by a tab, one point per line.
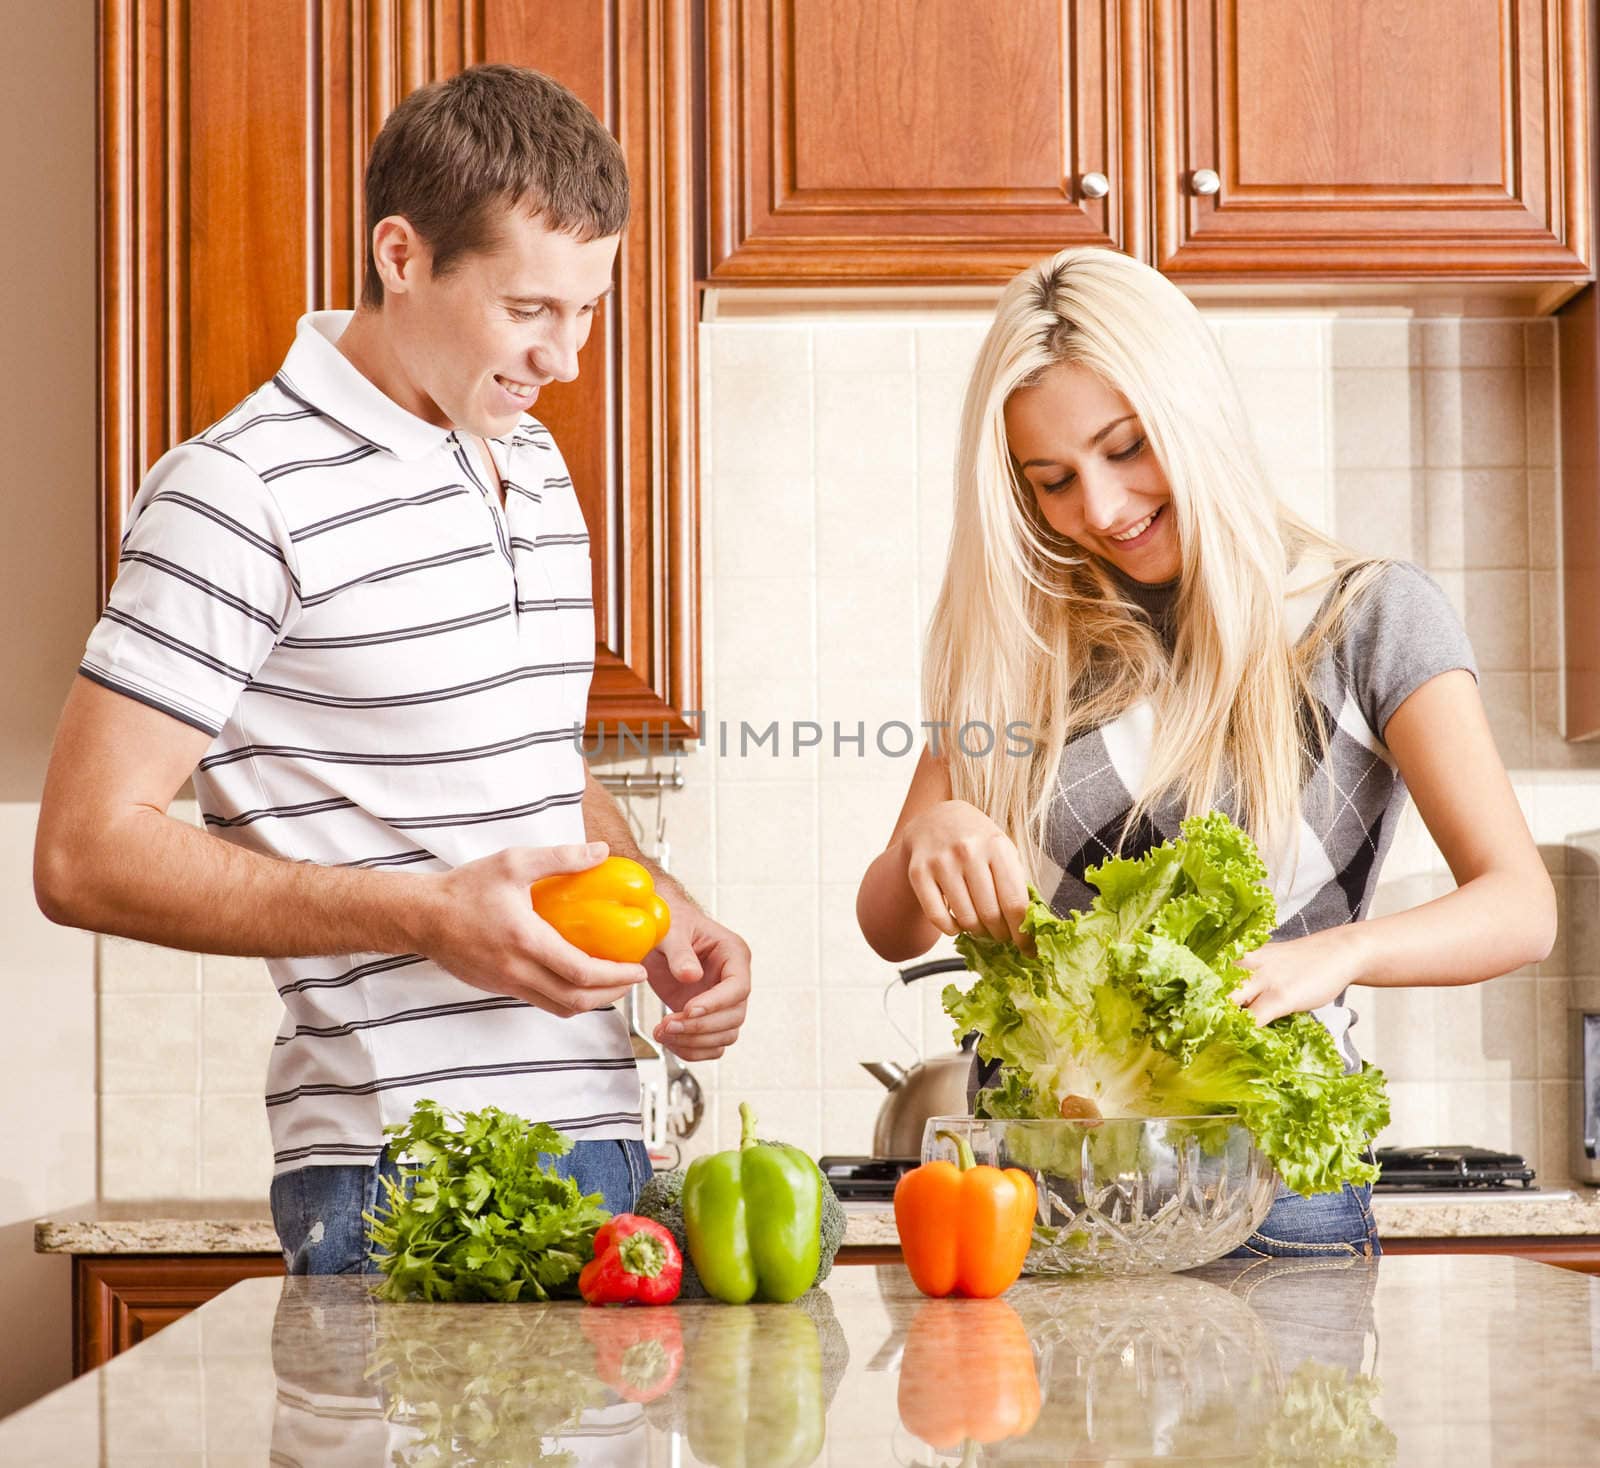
1361	138
122	1299
233	143
915	138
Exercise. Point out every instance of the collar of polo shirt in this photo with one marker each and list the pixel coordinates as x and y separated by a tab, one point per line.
319	374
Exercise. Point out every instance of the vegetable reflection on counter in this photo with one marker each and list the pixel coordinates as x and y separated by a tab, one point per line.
1327	1418
756	1383
481	1217
1125	1010
755	1390
744	1386
967	1374
483	1400
964	1229
1177	1366
638	1354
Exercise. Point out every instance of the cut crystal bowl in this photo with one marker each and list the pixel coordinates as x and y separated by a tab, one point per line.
1125	1194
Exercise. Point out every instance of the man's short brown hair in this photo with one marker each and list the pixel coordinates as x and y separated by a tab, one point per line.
453	154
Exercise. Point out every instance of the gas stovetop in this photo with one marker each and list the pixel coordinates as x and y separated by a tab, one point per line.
865	1178
1450	1167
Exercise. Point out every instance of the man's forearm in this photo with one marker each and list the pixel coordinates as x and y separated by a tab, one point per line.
159	880
603	820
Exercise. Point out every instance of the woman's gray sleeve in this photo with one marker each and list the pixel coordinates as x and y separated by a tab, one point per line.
1402	632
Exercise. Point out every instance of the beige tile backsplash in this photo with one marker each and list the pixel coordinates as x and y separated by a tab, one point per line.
827	450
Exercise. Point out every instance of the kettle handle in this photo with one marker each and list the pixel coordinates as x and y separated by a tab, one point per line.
933	966
939	966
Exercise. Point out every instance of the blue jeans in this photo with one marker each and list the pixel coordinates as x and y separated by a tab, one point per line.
317	1210
1323	1226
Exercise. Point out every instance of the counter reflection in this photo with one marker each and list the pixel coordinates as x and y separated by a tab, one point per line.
420	1385
1252	1363
1256	1363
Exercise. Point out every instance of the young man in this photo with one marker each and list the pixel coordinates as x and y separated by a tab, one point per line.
357	610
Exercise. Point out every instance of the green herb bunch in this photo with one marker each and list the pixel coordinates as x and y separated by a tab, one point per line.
480	1217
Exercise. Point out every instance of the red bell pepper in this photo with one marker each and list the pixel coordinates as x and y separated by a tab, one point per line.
634	1259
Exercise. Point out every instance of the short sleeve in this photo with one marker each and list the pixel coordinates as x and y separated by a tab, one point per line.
206	587
1401	632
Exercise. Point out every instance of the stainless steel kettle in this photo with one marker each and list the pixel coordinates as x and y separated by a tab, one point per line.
936	1086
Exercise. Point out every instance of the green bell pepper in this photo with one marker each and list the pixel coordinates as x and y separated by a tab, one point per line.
753	1217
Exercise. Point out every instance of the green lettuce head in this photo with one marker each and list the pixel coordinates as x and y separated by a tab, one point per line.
1125	1010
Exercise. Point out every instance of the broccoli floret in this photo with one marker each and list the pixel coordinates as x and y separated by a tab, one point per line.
662	1199
833	1222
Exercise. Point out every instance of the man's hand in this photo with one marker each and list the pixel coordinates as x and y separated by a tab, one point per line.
483	929
701	972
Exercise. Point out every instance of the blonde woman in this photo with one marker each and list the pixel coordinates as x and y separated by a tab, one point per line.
1163	637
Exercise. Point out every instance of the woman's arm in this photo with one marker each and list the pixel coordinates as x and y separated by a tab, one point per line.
947	868
1502	914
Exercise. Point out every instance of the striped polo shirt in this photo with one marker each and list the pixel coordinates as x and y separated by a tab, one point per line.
393	667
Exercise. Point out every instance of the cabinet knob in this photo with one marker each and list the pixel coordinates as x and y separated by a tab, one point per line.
1094	186
1205	181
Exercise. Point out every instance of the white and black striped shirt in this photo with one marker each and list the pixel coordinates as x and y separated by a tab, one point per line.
393	667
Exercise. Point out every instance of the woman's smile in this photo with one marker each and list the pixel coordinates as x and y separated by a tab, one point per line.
1135	536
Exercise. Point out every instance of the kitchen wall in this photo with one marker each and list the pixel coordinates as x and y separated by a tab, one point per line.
827	449
47	565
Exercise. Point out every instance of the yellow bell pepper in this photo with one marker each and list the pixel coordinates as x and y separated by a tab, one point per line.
609	911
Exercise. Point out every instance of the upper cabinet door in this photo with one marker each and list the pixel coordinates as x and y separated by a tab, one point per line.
233	142
908	139
1354	139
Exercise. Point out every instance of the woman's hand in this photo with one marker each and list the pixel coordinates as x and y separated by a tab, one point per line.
1301	974
965	872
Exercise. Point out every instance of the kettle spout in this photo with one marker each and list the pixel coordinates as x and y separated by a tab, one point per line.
891	1074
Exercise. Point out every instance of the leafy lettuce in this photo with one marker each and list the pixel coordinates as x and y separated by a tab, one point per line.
1124	1010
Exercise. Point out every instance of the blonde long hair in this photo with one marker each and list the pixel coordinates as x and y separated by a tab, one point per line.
1029	627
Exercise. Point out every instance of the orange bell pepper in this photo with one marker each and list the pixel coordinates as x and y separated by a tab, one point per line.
984	1345
964	1229
609	911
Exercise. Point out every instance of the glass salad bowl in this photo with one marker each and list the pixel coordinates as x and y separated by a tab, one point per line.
1125	1195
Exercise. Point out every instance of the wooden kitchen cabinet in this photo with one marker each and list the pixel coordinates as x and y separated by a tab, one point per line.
1350	140
233	139
918	139
1355	139
1581	1253
119	1300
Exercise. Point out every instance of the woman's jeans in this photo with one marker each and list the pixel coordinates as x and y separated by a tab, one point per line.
1323	1226
317	1210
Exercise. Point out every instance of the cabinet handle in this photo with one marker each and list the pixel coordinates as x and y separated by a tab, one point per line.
1094	186
1205	181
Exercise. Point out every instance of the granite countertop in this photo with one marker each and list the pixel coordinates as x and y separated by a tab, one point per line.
1456	1360
245	1227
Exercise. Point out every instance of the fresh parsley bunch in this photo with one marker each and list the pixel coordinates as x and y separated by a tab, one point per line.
484	1219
